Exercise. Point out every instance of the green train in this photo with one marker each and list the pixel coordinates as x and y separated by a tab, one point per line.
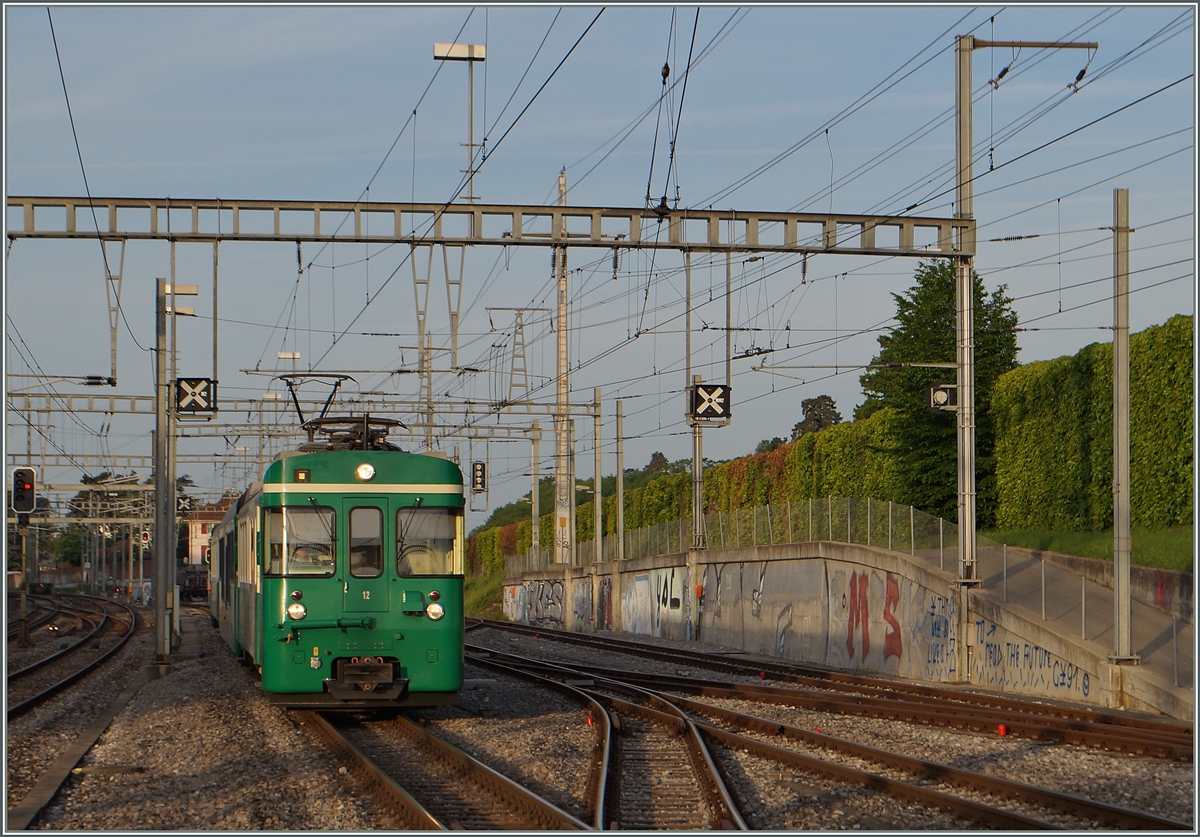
339	576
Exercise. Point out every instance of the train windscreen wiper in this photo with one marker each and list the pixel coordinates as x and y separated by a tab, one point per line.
412	515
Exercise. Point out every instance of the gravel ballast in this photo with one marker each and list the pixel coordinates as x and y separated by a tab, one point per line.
202	749
1155	786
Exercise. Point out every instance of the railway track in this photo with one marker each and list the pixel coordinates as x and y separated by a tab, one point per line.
42	609
889	698
650	769
108	626
431	784
830	769
657	763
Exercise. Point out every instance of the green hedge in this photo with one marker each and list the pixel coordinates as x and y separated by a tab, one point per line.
1054	435
1053	453
851	459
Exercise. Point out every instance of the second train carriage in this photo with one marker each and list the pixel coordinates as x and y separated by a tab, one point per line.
340	575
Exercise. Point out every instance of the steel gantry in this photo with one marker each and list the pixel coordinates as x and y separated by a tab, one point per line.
501	225
422	226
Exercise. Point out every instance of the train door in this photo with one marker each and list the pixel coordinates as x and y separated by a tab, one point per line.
366	580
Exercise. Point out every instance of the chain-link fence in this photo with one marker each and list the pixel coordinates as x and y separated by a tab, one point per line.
867	521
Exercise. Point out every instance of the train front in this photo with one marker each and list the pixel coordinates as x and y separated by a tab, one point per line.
362	579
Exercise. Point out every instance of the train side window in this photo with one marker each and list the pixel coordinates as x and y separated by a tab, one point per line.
425	541
366	543
273	523
299	541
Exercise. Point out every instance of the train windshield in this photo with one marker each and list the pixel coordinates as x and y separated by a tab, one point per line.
428	541
300	541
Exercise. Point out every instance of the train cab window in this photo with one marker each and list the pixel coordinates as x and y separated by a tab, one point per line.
366	543
299	541
426	541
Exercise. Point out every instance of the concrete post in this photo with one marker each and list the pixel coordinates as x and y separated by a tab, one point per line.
691	581
965	320
598	507
162	492
1122	612
620	480
564	487
535	543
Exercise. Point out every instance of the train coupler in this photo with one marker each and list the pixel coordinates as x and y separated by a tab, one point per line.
366	678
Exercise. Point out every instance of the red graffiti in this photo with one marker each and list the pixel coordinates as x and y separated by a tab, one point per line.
893	644
858	614
1163	590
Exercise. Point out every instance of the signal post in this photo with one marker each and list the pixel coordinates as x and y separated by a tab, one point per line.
24	501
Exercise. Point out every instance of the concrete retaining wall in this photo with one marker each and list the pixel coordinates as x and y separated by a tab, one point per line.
842	605
839	605
1167	590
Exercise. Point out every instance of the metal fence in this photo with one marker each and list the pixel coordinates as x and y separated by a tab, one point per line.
867	521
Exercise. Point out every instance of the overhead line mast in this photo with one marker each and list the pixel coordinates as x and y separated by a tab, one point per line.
564	483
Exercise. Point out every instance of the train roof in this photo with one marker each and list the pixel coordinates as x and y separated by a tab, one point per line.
358	471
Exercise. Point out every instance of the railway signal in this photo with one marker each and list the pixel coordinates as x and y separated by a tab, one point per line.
196	395
24	490
478	477
710	401
943	397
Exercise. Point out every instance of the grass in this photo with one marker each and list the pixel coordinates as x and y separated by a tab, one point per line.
483	595
1165	548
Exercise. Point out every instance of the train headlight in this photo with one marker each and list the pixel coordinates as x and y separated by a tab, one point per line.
365	472
434	611
296	611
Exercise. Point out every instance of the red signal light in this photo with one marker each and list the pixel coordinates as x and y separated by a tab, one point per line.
24	494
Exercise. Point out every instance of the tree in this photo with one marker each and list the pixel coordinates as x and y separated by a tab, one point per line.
926	439
768	445
819	413
658	462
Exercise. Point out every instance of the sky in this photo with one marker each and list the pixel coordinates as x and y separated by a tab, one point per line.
845	109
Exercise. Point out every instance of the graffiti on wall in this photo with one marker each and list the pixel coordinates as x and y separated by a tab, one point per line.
653	600
544	603
1005	661
581	604
883	621
858	605
637	605
717	569
893	643
666	595
937	632
514	602
604	608
858	614
783	625
756	595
